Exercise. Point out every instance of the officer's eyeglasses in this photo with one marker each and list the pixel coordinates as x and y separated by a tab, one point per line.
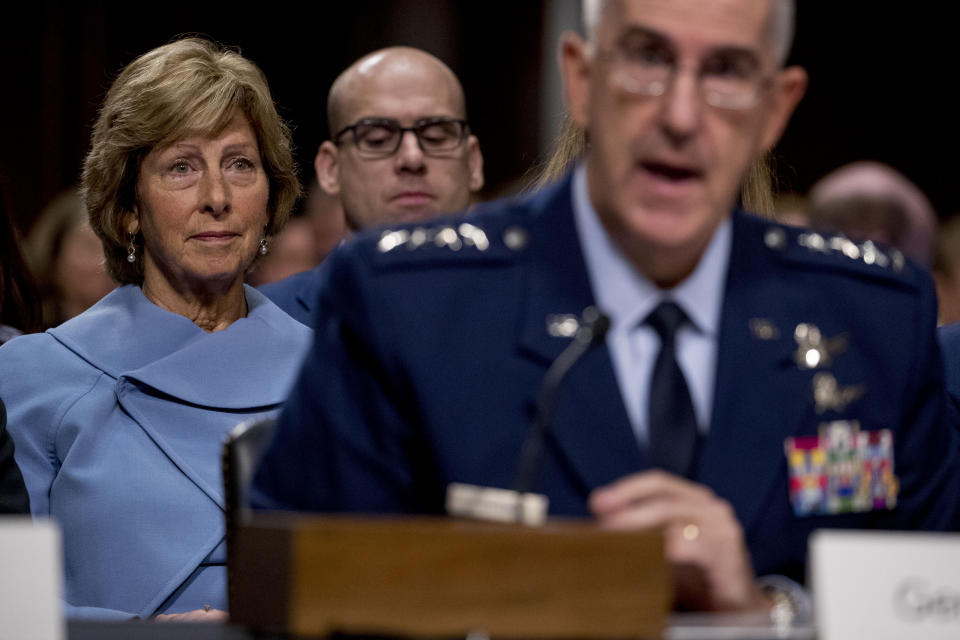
645	64
381	137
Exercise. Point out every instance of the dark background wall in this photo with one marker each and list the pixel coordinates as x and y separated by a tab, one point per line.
883	84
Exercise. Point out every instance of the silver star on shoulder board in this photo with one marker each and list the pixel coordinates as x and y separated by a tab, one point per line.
828	395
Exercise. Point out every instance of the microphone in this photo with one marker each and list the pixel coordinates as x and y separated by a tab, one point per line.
521	504
593	329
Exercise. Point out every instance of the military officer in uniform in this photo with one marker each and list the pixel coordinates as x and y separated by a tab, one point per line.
757	381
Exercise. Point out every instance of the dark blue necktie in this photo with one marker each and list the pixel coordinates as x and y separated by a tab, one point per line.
673	423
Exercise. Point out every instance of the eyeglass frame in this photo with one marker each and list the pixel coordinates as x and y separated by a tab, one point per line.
617	55
418	124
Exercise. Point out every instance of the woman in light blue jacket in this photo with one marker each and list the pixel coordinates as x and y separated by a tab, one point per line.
118	415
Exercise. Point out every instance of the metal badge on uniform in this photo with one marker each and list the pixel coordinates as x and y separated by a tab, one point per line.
562	325
841	470
813	350
828	395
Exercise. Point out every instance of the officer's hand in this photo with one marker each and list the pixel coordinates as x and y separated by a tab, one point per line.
703	540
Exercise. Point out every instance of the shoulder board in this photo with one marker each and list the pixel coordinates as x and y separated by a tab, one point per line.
835	251
452	241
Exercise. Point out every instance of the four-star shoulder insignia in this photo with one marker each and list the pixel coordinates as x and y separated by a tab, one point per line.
450	241
450	237
866	253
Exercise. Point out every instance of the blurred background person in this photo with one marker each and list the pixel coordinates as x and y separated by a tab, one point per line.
67	259
868	200
379	173
19	312
293	250
946	270
791	208
946	277
325	212
19	300
119	414
312	233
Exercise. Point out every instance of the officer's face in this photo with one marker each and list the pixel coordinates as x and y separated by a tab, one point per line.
666	159
408	185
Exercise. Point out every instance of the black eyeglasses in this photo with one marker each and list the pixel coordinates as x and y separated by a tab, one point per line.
381	137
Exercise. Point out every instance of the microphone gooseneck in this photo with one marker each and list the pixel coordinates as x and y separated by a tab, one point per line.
593	329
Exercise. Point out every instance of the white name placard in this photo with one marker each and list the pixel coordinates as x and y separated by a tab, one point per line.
31	569
881	585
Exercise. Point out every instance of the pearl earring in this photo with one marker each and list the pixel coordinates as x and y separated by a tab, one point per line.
263	246
131	250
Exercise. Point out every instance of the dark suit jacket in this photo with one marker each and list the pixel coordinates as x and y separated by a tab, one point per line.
429	354
13	495
296	294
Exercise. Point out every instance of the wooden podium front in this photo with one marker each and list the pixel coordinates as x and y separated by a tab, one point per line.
425	576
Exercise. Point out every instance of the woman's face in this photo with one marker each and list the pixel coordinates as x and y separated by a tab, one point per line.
202	209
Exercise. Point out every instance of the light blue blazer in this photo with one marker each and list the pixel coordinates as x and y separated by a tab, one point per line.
118	417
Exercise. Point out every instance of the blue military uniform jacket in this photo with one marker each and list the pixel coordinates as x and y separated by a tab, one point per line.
119	416
433	343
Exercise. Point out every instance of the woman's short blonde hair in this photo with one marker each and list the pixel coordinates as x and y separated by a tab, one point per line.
189	87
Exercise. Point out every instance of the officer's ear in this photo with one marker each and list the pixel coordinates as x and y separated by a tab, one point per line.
575	66
327	166
789	86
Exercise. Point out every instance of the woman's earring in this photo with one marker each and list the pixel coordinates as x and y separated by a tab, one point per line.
263	246
131	250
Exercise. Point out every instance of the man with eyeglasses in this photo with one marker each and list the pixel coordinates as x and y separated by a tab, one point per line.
756	382
400	151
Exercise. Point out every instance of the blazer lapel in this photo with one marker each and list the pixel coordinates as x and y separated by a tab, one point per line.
307	295
139	332
215	371
189	437
591	428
